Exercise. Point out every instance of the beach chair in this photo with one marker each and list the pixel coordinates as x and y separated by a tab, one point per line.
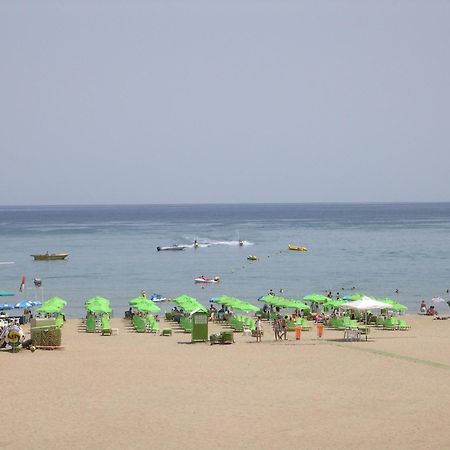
105	326
186	324
152	324
139	324
91	324
306	326
390	324
59	321
402	325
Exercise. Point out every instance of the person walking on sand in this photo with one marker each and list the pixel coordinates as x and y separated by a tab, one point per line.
258	324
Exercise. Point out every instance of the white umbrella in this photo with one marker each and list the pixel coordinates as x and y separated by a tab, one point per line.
366	303
438	300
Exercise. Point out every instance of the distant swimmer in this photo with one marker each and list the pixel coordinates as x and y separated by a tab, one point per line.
196	244
397	291
241	243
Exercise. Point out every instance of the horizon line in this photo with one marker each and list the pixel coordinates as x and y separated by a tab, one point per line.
406	202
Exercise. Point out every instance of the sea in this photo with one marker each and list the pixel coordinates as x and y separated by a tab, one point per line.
375	249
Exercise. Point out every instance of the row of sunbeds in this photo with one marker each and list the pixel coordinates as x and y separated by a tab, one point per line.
145	324
100	324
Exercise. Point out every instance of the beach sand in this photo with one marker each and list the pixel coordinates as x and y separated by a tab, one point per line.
143	390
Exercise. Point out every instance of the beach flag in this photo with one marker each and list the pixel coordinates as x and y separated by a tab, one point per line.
22	284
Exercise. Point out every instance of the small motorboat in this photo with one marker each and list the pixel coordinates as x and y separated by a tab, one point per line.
50	256
171	247
202	279
252	258
157	298
297	248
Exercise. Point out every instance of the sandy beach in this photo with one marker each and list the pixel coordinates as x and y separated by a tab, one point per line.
144	390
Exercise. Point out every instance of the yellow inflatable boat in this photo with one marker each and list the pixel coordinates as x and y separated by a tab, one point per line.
297	248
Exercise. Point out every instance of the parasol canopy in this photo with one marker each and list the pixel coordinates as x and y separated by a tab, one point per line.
234	303
316	298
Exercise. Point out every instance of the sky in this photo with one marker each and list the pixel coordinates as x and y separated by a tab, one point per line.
127	101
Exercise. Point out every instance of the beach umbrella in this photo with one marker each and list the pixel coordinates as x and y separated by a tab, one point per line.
56	301
395	306
99	308
189	304
438	300
282	302
36	303
333	303
144	304
24	304
147	306
316	298
365	303
137	300
235	303
6	294
97	299
49	309
5	306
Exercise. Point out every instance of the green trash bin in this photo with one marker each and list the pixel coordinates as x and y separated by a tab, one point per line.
199	326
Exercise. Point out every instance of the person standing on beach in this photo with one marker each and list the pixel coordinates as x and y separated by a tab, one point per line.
258	324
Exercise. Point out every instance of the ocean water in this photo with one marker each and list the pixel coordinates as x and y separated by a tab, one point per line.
376	248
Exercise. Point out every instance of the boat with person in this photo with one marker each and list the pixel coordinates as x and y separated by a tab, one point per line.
50	256
297	248
171	247
203	279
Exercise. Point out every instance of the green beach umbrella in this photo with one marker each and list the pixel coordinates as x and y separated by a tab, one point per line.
316	298
189	304
56	301
147	306
333	303
282	302
143	304
235	303
395	306
49	309
98	308
97	299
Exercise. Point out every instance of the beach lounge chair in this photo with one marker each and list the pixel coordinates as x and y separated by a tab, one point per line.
390	324
106	326
139	324
186	324
306	326
152	324
402	325
91	324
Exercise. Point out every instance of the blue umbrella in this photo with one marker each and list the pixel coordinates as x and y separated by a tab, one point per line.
24	304
6	294
36	303
4	306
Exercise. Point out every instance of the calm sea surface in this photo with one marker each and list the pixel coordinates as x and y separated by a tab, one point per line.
376	248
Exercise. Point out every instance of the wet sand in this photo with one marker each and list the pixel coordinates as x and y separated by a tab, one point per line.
143	390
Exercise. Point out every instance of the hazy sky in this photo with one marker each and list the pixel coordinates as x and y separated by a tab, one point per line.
224	101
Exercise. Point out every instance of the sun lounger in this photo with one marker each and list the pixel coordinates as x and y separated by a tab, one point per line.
152	324
139	324
91	324
390	324
402	325
106	326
